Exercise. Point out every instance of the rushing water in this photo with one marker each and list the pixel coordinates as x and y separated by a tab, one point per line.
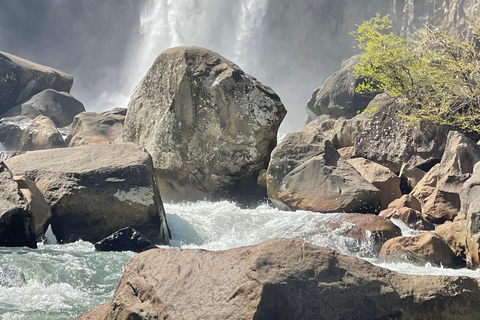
62	281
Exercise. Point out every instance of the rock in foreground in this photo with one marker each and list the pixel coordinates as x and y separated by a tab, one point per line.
280	279
96	190
209	127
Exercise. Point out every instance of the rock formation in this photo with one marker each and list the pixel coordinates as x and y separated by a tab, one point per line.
280	279
209	127
90	128
17	224
96	190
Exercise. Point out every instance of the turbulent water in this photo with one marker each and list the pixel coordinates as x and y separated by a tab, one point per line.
62	281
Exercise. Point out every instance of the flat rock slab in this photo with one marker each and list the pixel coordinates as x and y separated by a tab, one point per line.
280	279
96	190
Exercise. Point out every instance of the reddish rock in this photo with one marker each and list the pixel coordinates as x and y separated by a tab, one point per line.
441	206
412	218
455	235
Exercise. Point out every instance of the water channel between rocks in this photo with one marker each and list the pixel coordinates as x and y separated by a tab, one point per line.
62	281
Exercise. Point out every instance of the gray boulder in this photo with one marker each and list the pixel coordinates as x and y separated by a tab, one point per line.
337	96
90	128
22	79
209	127
96	190
126	239
280	279
307	173
61	107
389	142
17	224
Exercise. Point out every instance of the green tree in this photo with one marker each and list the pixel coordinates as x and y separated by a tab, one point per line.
437	76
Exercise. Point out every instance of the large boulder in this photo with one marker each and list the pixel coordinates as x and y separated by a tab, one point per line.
40	135
40	208
381	177
280	279
441	206
306	172
61	107
388	141
337	97
17	225
470	209
455	235
427	185
209	127
89	128
96	190
423	248
22	79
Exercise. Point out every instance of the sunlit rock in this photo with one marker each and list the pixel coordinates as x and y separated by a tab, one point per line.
90	128
209	127
61	107
306	172
96	190
17	224
280	279
41	134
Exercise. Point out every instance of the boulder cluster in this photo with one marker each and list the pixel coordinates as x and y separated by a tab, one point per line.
197	127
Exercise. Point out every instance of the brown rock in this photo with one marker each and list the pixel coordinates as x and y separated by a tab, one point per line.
40	135
346	153
410	176
407	200
412	218
427	185
455	235
423	248
280	279
381	177
441	206
40	208
91	128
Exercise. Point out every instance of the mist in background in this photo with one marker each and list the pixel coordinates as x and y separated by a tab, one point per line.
108	45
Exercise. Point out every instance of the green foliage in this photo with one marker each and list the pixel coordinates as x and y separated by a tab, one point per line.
436	75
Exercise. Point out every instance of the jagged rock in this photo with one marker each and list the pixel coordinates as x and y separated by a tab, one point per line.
40	135
40	208
361	230
460	156
381	177
346	153
209	127
427	185
342	132
423	248
470	201
389	142
12	130
17	225
455	235
280	279
90	128
337	96
411	217
408	201
23	79
307	173
126	239
61	107
441	206
96	190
